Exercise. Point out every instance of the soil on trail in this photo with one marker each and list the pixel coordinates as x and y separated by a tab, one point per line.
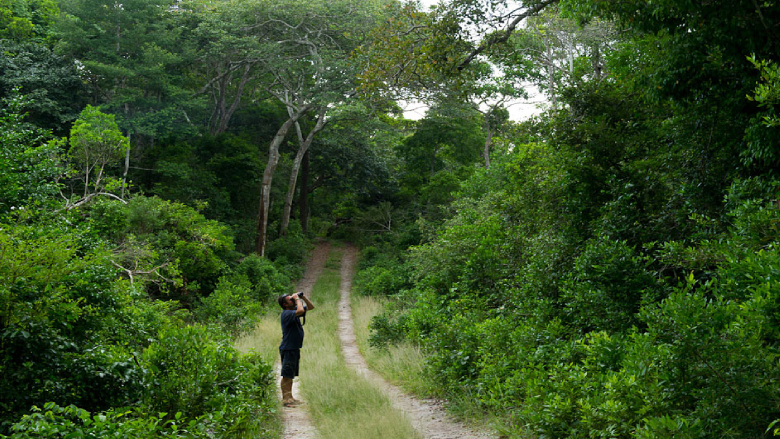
427	416
297	422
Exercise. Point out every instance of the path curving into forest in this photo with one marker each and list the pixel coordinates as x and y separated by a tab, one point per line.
427	417
297	422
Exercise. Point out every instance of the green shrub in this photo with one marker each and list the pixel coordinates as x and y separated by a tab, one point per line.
666	426
386	329
29	164
193	372
379	281
703	356
231	306
176	248
59	299
293	247
756	223
262	277
54	421
368	256
606	288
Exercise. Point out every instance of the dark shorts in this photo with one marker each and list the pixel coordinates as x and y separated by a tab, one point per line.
290	360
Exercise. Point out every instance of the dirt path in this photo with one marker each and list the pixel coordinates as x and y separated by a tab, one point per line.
427	417
297	422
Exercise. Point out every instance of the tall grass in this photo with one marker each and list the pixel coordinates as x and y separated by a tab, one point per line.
265	338
402	364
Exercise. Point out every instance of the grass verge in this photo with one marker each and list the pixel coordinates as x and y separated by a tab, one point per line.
264	340
404	366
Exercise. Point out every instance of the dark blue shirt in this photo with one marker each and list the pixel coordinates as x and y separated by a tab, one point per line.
292	331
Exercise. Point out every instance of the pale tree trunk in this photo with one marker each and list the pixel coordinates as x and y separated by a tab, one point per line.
488	141
551	75
228	113
304	147
127	153
268	175
88	170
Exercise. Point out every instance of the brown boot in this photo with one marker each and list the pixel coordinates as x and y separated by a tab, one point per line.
287	398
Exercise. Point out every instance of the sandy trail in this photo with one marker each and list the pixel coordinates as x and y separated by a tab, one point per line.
427	417
297	422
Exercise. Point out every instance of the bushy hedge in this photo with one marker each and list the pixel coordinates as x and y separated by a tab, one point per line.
59	297
182	253
54	421
89	333
193	372
240	296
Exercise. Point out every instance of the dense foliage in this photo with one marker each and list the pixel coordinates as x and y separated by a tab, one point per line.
79	332
612	274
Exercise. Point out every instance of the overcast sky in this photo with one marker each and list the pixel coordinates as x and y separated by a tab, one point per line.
518	110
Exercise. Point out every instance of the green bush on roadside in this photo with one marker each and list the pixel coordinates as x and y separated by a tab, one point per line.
231	306
54	421
199	374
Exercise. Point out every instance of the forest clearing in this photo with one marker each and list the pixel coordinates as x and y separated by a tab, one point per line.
604	266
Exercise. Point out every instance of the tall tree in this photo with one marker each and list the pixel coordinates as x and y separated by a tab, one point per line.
29	163
230	49
51	82
24	20
694	56
300	53
448	138
556	52
303	149
419	50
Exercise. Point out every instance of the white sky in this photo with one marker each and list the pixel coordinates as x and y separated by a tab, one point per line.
518	110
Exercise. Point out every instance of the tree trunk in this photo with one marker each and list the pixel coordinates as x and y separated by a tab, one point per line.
551	75
303	200
304	147
127	164
488	141
127	153
268	175
220	117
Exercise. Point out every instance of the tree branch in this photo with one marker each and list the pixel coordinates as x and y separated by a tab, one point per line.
130	273
504	37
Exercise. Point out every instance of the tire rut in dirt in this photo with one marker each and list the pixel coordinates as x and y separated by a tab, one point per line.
427	416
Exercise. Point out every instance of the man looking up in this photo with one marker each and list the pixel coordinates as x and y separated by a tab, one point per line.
292	341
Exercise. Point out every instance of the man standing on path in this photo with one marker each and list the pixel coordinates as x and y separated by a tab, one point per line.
293	308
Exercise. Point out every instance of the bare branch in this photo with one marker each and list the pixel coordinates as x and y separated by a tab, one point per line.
132	273
89	197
